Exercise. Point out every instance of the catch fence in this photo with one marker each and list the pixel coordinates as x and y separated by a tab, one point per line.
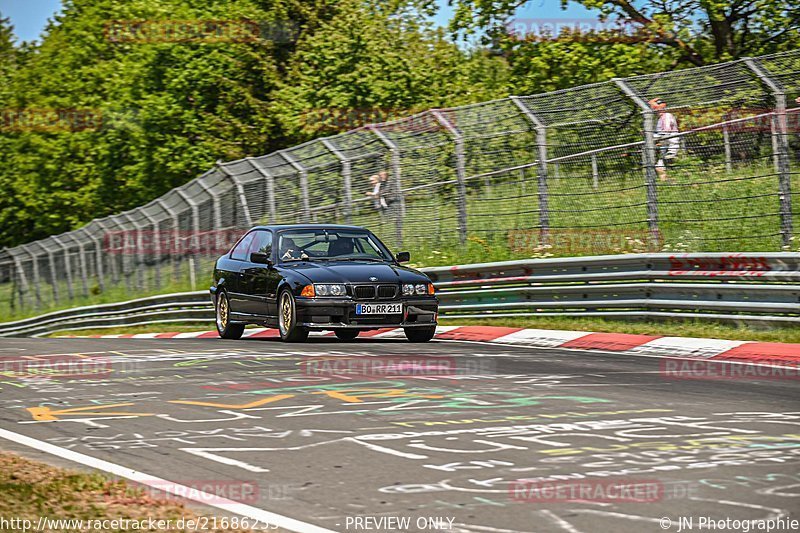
568	173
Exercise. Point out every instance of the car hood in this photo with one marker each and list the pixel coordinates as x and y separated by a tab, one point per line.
357	272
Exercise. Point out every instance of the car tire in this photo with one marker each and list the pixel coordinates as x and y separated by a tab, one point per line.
420	334
287	319
222	311
346	334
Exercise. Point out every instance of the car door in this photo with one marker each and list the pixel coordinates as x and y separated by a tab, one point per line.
259	280
239	259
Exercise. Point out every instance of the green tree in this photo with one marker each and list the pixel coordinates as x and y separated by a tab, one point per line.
699	31
369	65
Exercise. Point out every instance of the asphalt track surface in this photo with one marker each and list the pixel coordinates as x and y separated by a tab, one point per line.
439	434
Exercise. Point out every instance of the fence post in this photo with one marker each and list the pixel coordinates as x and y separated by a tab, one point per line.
240	190
24	286
726	142
81	263
303	183
98	253
156	240
269	183
195	243
780	147
52	259
174	251
139	260
346	178
541	142
67	265
648	158
215	206
36	279
461	172
111	261
398	182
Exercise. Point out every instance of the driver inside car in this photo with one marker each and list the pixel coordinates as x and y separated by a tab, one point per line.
341	246
290	250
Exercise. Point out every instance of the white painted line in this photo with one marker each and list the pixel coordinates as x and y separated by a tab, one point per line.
182	491
541	337
597	351
252	331
686	347
188	335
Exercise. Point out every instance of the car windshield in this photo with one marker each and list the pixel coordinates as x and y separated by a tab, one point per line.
330	245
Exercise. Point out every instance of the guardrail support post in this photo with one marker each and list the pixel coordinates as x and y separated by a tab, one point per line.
649	160
398	182
461	172
346	178
301	171
780	147
541	145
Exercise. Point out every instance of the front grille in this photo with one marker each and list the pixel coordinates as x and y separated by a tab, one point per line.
364	292
387	291
370	292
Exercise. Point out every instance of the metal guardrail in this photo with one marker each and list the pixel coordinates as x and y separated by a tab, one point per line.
746	287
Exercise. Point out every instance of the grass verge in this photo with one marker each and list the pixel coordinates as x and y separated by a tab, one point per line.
706	330
32	489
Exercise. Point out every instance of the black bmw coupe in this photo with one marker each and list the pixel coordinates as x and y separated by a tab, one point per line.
307	277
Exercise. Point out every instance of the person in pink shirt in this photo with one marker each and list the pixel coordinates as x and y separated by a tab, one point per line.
666	126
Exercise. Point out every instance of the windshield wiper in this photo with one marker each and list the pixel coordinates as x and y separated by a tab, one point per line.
374	259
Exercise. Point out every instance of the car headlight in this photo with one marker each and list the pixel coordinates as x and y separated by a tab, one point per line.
422	288
408	289
330	289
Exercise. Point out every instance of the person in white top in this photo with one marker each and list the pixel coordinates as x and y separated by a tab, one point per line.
377	193
666	126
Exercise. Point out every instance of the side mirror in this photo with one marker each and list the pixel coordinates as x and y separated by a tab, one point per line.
403	257
263	259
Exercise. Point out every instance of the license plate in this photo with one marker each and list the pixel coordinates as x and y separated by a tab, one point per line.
379	309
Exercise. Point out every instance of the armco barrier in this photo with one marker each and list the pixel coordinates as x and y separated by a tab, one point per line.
748	287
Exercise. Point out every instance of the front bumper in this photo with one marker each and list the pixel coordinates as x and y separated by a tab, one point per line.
339	313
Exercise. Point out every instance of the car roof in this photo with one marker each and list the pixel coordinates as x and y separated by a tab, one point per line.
279	227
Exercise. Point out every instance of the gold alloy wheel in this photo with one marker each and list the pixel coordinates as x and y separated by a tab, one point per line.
286	312
222	312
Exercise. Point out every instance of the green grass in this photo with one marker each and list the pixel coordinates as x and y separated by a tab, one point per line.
32	489
688	328
697	213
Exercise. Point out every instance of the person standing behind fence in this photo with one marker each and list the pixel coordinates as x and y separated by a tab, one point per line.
377	194
666	126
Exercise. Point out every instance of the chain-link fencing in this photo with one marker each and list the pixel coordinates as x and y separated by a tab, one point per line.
592	170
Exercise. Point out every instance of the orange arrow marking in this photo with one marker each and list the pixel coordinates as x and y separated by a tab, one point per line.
256	403
47	413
